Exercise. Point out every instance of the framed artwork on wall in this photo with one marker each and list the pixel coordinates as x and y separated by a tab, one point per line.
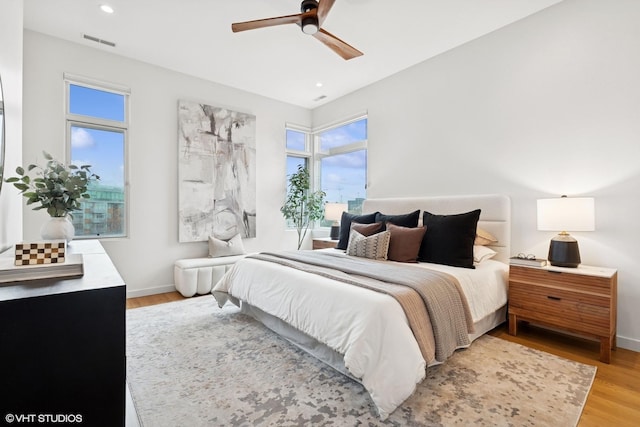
216	172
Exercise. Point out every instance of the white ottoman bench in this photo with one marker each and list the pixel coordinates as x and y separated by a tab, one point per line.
199	275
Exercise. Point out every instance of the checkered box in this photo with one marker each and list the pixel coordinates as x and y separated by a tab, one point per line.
35	253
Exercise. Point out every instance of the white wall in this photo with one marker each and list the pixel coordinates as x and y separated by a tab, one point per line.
549	105
11	75
145	259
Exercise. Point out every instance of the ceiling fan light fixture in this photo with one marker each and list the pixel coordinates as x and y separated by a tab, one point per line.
310	25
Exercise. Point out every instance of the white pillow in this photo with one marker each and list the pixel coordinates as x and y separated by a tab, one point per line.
375	246
220	248
482	253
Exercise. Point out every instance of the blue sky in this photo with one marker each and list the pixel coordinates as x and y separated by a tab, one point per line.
343	176
102	149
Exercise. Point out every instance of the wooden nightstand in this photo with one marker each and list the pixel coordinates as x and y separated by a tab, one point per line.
323	243
580	300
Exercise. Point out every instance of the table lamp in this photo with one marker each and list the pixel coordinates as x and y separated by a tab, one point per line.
565	214
333	212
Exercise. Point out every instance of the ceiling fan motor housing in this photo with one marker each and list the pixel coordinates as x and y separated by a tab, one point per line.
309	24
307	5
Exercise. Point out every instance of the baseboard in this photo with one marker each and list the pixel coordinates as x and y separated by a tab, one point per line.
150	291
628	343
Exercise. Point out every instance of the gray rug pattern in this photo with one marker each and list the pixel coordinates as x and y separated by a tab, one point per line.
190	363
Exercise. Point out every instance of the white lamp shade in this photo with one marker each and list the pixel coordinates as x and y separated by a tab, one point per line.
566	214
333	211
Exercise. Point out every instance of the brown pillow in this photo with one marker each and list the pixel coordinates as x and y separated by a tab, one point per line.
366	229
405	243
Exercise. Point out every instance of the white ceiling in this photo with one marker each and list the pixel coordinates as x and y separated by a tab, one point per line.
194	37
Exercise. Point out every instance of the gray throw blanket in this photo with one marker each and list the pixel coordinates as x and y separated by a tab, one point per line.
434	303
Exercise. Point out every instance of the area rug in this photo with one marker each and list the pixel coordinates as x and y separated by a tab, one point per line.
190	363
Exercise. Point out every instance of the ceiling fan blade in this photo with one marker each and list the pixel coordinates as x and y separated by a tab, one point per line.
340	47
323	9
269	22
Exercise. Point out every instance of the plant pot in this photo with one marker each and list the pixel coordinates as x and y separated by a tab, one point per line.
58	228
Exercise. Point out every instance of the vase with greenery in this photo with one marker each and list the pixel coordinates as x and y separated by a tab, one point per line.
55	187
302	206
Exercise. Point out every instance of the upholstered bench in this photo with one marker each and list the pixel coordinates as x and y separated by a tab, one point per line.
199	275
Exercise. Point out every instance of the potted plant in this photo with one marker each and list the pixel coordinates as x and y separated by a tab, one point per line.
56	187
302	206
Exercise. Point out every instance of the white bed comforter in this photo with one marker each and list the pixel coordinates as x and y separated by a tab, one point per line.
369	328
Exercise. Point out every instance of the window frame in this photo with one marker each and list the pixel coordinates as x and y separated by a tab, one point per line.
307	153
315	155
91	122
319	154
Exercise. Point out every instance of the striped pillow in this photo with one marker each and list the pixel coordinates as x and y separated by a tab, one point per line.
374	247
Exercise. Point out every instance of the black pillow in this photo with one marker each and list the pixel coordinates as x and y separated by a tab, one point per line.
345	226
449	238
409	220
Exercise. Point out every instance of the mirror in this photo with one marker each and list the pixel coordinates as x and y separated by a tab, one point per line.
1	135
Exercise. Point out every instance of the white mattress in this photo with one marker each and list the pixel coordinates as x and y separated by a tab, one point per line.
370	329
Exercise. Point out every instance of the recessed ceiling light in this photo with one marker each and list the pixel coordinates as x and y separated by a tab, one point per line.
106	8
319	84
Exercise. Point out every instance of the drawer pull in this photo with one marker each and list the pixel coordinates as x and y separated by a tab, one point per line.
554	298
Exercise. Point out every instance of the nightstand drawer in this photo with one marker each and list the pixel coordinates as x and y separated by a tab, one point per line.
527	291
580	312
574	281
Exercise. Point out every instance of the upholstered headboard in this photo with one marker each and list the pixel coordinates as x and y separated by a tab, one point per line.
495	215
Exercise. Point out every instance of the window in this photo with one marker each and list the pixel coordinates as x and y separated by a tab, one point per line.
97	125
298	152
339	154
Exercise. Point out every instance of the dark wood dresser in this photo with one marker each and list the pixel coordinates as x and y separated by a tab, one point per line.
62	346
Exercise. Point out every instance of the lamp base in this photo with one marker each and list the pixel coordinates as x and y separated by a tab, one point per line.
564	251
335	232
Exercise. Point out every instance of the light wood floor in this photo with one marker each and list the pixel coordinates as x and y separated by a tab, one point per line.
615	396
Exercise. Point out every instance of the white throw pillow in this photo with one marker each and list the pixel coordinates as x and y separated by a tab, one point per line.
220	248
482	253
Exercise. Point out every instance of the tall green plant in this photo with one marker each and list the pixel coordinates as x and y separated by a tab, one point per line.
302	206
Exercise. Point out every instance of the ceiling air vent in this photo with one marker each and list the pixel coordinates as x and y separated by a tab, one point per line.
321	97
98	40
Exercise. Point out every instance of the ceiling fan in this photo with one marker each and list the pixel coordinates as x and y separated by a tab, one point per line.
311	18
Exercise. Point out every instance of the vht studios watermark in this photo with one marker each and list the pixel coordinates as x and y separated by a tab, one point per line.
43	418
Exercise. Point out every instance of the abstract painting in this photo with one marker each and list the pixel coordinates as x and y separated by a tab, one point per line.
216	172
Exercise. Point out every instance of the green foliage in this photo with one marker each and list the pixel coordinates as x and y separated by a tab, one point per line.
302	206
57	188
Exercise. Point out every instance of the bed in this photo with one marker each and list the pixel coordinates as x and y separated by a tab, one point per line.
369	335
